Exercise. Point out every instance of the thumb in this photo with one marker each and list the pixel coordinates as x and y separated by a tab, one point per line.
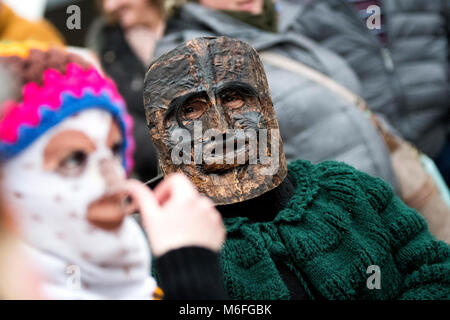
144	198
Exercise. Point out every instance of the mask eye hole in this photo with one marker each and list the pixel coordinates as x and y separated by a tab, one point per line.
73	164
232	100
193	109
117	149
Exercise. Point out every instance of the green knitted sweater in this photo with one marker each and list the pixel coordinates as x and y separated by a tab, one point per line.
338	223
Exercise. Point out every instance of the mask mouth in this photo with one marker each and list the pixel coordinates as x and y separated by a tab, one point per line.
230	153
109	211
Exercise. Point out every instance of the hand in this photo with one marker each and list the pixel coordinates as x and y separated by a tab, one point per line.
176	215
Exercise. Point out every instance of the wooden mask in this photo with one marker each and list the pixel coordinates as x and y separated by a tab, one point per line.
211	117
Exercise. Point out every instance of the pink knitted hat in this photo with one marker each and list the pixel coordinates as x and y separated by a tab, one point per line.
60	96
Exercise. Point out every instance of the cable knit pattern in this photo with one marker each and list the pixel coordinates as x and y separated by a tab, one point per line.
338	223
61	96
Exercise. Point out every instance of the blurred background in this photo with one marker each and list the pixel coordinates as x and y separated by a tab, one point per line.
55	12
323	56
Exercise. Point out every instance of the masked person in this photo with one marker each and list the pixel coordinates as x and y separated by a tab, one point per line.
65	148
299	232
305	109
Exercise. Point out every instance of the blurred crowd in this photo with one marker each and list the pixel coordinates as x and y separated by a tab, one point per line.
360	82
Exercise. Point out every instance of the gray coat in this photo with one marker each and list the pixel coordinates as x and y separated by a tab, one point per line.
315	123
406	80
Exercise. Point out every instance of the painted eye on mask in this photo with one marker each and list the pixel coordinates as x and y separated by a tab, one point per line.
73	164
232	100
193	110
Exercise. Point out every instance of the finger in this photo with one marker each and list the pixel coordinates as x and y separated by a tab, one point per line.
176	187
205	204
130	206
217	218
143	197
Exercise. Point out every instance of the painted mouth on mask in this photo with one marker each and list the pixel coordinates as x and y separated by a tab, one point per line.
220	158
108	212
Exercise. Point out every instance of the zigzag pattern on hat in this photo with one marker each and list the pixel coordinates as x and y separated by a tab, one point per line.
60	97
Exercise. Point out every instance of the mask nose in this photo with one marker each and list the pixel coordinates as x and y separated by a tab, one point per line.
218	120
110	210
111	171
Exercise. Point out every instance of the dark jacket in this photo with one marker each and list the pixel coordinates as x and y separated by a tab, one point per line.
124	67
407	79
316	124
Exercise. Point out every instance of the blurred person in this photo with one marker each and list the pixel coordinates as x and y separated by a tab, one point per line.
124	39
15	28
302	231
307	111
65	147
400	52
17	280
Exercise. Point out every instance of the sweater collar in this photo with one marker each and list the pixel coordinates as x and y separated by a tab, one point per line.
265	207
254	251
304	194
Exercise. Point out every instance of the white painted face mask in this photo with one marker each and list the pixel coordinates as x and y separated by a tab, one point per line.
77	258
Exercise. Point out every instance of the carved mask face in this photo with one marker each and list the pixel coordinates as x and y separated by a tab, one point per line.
211	117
